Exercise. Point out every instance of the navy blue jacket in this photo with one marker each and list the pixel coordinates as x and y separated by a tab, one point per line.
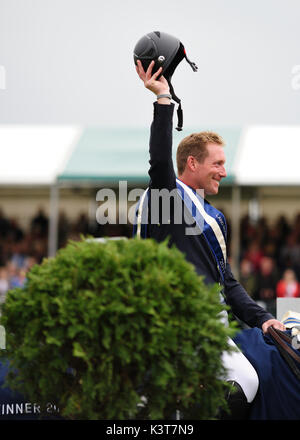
194	247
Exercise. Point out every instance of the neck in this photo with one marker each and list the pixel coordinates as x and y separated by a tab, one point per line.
188	181
192	185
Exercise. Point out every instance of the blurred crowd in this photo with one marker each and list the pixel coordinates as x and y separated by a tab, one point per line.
20	249
269	253
270	259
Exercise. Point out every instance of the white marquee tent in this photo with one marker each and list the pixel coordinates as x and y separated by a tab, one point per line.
268	155
34	154
41	155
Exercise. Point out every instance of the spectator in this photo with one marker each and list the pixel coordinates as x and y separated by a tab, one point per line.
288	286
282	227
266	282
4	225
291	250
15	231
29	262
17	276
4	284
18	257
262	232
247	277
82	224
248	232
39	224
254	254
290	253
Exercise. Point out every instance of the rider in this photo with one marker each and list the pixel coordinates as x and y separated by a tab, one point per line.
201	165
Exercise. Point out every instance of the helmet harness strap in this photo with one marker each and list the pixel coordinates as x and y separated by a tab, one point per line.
176	99
179	109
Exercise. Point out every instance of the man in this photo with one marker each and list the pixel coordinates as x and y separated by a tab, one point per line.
201	165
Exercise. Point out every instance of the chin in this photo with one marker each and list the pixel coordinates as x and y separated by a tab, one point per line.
212	191
216	189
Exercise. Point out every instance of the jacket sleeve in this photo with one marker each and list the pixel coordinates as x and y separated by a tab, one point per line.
242	304
161	170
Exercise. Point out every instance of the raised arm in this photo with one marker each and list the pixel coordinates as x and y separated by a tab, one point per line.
161	170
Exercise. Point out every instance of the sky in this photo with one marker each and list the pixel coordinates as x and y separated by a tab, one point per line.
71	61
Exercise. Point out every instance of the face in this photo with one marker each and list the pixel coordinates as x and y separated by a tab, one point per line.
211	171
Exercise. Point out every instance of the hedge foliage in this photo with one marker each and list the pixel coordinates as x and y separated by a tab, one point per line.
103	324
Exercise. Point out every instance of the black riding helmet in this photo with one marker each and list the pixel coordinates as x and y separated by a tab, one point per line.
167	52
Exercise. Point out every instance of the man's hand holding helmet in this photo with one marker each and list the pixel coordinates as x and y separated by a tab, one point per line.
157	86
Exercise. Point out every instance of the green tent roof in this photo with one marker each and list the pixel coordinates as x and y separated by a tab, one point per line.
111	154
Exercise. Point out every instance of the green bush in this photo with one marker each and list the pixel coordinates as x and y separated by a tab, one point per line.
101	325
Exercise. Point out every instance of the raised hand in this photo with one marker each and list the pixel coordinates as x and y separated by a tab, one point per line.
157	86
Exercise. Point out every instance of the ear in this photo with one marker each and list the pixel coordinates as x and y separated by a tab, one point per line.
191	163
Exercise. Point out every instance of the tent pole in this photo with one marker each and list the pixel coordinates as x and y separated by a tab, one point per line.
53	220
235	230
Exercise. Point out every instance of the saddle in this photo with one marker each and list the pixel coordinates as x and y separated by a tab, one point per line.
283	342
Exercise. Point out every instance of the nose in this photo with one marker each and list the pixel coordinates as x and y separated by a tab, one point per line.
223	172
